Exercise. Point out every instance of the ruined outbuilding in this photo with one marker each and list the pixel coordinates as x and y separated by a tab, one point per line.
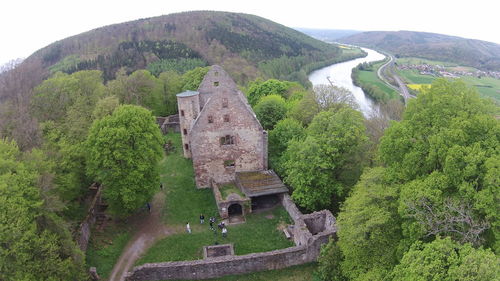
220	132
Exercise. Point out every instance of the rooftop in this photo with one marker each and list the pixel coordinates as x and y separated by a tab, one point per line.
188	94
258	183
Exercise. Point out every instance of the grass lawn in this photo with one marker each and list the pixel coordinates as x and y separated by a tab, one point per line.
184	203
227	189
106	247
412	76
259	233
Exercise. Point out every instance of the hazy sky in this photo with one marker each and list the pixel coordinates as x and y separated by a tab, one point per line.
26	26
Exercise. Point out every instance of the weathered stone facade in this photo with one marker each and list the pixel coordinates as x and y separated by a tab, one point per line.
220	131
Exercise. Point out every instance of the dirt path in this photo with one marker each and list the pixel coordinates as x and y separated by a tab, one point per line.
149	228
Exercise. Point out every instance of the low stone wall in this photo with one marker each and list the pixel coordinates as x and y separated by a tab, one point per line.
217	267
83	234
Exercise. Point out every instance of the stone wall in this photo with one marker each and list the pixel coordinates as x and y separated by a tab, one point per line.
170	124
189	104
83	234
229	117
307	250
220	266
224	203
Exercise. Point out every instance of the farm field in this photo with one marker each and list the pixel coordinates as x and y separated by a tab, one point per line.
486	86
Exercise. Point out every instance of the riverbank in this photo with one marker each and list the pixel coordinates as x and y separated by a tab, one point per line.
340	75
366	77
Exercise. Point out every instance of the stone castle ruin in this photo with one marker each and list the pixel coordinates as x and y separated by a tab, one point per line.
228	146
220	132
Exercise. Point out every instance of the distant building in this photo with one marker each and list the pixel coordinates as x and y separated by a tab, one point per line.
220	132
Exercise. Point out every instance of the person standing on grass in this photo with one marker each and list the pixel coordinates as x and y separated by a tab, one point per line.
188	228
211	224
202	218
224	232
149	206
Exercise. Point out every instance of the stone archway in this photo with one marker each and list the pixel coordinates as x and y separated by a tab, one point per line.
235	210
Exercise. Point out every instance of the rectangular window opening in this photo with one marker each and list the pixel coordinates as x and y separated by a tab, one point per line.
210	119
182	112
184	131
229	163
216	83
226	140
186	146
226	117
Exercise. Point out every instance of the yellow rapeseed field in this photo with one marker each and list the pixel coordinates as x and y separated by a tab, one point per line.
417	87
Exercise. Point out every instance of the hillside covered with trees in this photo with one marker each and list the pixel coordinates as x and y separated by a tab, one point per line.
476	53
246	46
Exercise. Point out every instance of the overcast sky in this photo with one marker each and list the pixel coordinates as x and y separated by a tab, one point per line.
26	26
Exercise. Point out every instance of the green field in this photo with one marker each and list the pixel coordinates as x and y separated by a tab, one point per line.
486	86
371	77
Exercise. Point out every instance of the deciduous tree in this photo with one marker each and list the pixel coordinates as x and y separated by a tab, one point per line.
323	166
445	260
34	244
123	153
269	110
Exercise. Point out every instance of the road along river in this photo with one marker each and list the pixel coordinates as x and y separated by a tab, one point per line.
340	75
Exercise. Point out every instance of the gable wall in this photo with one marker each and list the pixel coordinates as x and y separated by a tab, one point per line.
209	155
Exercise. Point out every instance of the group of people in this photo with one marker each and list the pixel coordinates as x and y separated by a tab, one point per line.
212	221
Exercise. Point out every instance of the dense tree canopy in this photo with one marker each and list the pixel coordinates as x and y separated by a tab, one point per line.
440	179
446	260
34	244
123	152
259	89
370	228
445	150
321	167
269	110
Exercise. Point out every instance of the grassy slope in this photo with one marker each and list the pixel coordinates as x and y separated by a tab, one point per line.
184	203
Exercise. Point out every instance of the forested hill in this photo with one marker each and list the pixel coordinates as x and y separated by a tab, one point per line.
246	46
480	54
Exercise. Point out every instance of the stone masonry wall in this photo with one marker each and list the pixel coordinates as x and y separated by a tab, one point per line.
234	120
188	112
217	267
228	265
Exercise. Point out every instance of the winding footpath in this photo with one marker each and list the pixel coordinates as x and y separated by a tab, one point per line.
149	229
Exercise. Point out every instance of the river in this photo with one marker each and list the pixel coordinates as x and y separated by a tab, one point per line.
340	75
